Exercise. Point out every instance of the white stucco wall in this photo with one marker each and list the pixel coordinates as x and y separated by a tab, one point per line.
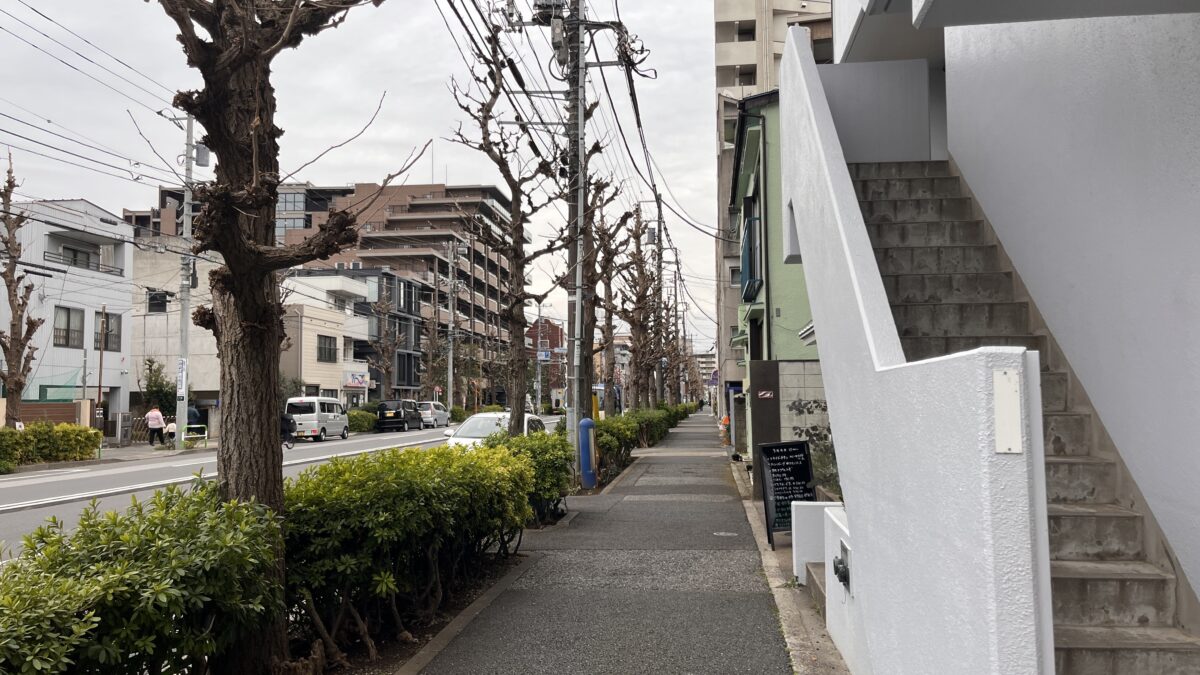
1081	140
882	110
951	565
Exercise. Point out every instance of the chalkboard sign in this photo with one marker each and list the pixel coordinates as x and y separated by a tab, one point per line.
787	477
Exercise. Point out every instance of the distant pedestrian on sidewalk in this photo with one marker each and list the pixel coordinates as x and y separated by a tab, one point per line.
171	432
156	424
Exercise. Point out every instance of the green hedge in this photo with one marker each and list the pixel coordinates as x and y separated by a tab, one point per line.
552	459
155	589
45	442
458	414
491	409
388	535
362	421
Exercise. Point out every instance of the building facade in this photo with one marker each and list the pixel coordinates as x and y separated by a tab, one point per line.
79	258
438	235
322	331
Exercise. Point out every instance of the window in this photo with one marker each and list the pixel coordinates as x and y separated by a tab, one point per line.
312	389
327	407
347	349
301	408
291	201
156	302
68	327
282	224
76	258
108	332
327	349
356	266
735	276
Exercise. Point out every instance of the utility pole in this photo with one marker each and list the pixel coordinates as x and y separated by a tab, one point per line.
537	410
658	241
451	286
185	290
100	369
577	129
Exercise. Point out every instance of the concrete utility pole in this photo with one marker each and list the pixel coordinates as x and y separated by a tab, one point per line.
185	290
537	410
658	240
577	129
451	285
100	369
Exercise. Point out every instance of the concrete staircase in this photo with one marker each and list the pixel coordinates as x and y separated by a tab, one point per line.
952	289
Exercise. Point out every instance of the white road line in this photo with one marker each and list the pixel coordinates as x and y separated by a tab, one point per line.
126	489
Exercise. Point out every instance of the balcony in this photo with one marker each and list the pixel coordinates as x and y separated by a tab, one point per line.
737	54
73	261
109	343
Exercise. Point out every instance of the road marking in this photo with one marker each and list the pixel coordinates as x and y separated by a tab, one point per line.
127	489
47	473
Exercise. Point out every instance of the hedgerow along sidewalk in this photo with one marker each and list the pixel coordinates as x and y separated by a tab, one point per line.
658	574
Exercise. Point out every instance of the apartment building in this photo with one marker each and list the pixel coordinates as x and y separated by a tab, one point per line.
323	329
295	208
437	235
749	42
405	304
79	260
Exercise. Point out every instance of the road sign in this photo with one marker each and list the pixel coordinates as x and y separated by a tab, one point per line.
544	356
181	379
560	350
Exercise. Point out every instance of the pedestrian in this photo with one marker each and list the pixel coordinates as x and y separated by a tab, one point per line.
156	424
171	433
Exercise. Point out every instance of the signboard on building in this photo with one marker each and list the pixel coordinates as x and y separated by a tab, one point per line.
181	380
787	477
357	380
544	356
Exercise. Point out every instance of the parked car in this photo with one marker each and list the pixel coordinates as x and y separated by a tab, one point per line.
433	414
398	415
478	427
318	418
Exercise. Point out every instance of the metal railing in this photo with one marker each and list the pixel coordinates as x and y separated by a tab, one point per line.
87	265
64	337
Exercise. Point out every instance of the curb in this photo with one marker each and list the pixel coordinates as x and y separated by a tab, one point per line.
810	648
621	478
438	644
49	466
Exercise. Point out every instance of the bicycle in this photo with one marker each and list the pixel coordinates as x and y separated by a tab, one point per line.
289	441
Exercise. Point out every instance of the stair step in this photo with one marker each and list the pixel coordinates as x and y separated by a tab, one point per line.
1080	479
908	188
815	582
1054	392
1067	433
962	319
917	210
873	170
944	233
1094	532
937	259
919	348
966	287
1134	593
1091	650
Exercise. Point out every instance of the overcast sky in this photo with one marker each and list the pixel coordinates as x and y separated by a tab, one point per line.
327	90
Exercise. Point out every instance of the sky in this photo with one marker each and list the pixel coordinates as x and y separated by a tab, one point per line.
327	90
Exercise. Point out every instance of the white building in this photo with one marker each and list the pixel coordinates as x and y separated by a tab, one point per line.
79	258
322	327
995	204
156	320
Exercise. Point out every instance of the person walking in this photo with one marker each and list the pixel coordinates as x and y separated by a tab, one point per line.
156	424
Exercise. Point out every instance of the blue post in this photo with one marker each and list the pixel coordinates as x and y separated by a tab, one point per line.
587	453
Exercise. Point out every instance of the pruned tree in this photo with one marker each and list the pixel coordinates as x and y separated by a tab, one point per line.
532	185
387	340
232	43
636	308
16	342
611	262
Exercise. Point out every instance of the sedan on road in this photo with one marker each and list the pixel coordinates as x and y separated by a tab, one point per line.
478	427
398	416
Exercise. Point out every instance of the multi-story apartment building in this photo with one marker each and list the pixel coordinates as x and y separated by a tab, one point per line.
322	330
80	259
435	234
297	204
750	37
403	297
547	335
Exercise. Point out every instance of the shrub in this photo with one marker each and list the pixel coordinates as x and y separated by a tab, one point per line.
552	459
158	588
653	426
45	442
361	421
387	534
492	409
458	414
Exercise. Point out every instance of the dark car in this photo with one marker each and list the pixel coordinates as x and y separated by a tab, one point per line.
398	416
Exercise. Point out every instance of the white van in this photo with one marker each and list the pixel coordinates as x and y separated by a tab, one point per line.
318	418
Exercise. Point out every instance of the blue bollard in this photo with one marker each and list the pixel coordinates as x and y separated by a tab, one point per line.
587	453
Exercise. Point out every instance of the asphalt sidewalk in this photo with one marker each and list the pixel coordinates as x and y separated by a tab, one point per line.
660	574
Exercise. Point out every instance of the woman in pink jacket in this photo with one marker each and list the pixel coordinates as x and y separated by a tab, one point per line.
156	423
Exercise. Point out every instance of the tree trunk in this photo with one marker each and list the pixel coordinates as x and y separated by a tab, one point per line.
610	352
518	358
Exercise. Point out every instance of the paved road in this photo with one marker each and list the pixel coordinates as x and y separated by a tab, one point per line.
28	499
659	575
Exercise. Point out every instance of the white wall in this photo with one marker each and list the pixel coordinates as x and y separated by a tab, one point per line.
951	563
882	110
1081	140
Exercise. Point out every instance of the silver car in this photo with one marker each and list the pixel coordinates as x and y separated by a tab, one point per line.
433	414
